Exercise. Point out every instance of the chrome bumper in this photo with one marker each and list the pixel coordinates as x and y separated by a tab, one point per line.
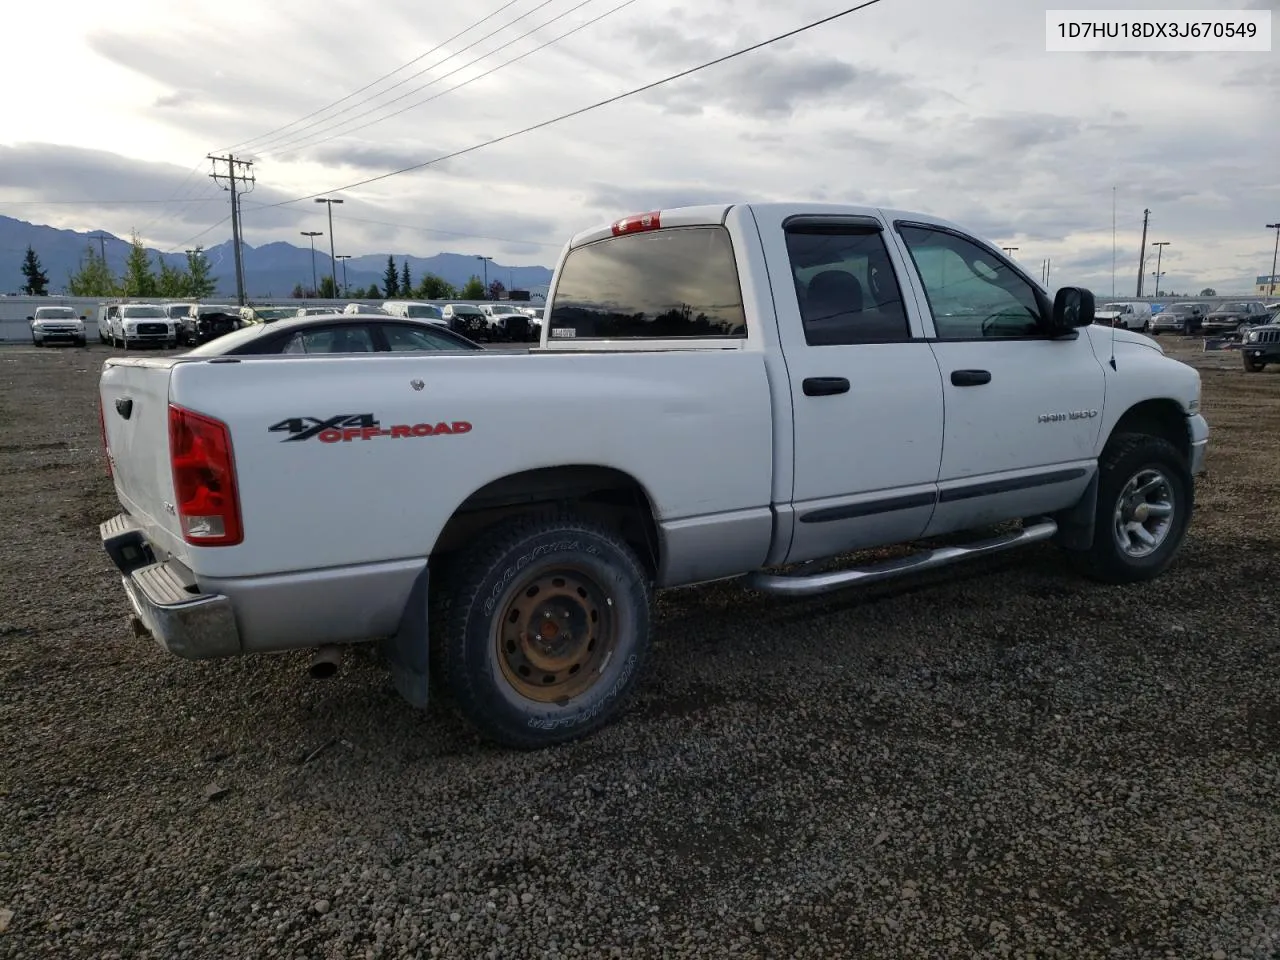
165	599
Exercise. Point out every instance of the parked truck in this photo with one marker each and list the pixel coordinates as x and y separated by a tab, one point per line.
729	391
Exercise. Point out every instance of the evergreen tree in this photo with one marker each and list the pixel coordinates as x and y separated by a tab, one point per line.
37	284
373	293
328	290
391	278
406	284
200	280
138	280
173	282
94	278
474	290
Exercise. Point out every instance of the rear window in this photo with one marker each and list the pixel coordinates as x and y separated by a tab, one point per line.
420	312
668	284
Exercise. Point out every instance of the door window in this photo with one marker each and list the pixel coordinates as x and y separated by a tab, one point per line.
352	339
401	339
845	284
972	293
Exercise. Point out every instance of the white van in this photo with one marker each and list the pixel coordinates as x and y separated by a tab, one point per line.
1128	314
415	310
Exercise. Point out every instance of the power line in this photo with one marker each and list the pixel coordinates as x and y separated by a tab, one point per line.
307	139
385	76
481	76
587	109
206	230
14	203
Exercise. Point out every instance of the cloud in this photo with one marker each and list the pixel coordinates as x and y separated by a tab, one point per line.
366	155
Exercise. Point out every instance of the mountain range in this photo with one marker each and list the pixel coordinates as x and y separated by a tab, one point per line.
270	271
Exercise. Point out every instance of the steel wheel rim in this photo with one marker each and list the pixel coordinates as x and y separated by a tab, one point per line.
556	635
1144	513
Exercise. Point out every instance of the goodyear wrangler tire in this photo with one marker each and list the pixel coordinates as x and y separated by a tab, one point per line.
543	629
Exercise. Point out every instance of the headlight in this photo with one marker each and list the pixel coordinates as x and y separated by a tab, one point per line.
1251	336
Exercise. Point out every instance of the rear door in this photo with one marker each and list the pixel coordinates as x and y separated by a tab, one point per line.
865	387
135	415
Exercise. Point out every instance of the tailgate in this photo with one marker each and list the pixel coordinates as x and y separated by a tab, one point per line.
135	413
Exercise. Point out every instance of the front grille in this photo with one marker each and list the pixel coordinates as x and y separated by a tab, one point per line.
152	329
1268	336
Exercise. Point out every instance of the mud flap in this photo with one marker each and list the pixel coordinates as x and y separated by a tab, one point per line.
406	651
1075	525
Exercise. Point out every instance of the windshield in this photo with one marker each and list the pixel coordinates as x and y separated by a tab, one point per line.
423	312
502	309
1180	308
143	311
178	310
275	313
216	348
1114	307
209	308
1234	308
55	313
463	309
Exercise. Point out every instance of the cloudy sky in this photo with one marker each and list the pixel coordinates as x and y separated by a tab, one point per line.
943	106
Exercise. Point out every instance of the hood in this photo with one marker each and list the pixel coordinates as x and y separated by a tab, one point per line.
1102	338
1227	313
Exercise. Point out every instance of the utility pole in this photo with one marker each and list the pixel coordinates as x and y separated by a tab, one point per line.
346	289
1276	227
102	244
333	261
486	274
1010	250
1142	256
1160	245
234	176
315	287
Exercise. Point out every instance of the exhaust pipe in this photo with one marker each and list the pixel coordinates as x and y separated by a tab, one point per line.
325	662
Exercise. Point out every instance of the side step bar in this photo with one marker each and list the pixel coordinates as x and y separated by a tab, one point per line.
801	585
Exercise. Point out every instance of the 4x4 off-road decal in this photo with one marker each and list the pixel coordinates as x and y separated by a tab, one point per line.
346	427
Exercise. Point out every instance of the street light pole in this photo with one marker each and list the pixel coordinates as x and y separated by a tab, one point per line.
333	261
346	288
1010	250
1159	245
485	260
313	234
1276	227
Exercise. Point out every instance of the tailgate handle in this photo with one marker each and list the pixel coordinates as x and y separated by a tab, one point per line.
124	406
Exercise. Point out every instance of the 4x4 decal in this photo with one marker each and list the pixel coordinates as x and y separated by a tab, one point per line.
346	427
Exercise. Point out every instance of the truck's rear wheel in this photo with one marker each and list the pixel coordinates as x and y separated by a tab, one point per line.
543	629
1145	499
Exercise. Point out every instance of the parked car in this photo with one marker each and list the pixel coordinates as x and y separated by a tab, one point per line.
1186	318
106	318
207	321
141	325
314	311
1234	316
334	333
1261	345
507	322
1129	315
415	310
468	320
265	314
56	325
721	390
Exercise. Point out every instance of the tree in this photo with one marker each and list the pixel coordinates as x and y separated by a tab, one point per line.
435	288
328	289
298	292
496	289
1208	292
200	279
94	278
391	278
406	285
373	293
172	282
138	280
474	290
37	284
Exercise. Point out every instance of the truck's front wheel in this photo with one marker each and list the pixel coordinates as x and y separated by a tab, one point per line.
1145	498
544	628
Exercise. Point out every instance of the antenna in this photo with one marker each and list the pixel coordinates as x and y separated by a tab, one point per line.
1113	270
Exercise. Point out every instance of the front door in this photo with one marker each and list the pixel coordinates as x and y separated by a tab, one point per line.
1023	409
865	387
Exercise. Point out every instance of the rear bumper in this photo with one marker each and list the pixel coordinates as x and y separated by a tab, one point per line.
187	623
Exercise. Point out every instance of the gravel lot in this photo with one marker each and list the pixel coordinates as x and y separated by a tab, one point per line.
1002	760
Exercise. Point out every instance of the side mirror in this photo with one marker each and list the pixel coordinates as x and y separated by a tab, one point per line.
30	318
1073	307
84	316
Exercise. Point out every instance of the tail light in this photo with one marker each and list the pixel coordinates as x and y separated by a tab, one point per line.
102	425
638	223
204	479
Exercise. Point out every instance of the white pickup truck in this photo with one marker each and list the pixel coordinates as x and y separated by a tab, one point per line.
720	391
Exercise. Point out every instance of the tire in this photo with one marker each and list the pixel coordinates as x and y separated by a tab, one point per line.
518	692
82	342
1253	366
1129	459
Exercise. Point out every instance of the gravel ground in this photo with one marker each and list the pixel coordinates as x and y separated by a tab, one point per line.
1002	760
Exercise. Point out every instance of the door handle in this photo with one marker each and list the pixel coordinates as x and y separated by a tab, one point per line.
970	378
824	386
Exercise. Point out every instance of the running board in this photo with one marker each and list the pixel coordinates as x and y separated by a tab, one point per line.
793	585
